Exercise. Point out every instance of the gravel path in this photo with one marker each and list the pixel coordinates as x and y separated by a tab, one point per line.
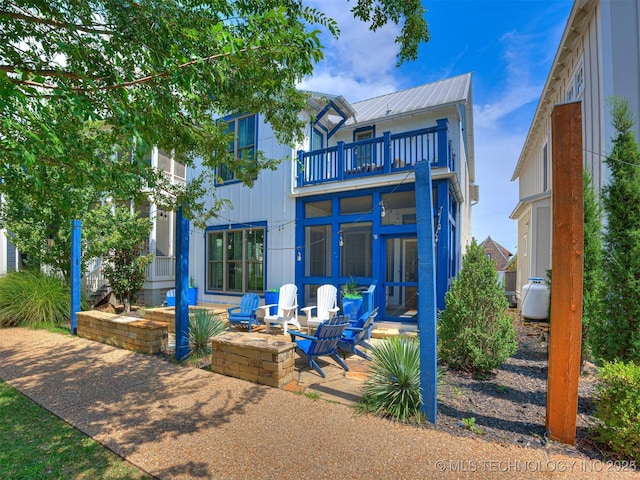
178	423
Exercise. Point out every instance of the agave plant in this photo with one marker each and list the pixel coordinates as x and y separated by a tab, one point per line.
393	386
203	324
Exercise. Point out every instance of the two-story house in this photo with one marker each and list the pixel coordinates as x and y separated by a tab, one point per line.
598	57
343	206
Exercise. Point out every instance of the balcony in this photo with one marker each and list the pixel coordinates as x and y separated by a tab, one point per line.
383	155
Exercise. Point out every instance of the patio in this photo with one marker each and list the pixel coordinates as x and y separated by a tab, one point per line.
338	386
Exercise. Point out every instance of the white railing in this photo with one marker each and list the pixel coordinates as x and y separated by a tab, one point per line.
94	278
161	268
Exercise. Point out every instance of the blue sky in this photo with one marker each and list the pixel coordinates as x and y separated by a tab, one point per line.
507	45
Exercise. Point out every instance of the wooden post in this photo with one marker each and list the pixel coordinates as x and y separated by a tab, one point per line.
427	293
567	272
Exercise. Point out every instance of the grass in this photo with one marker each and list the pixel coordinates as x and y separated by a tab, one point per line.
31	298
35	444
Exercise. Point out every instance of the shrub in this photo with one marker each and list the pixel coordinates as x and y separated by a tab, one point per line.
33	299
593	282
203	325
618	332
393	386
475	331
618	408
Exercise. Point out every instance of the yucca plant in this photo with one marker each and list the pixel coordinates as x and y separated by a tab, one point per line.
203	324
33	299
393	386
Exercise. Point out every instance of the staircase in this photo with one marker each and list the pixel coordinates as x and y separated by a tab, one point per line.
101	295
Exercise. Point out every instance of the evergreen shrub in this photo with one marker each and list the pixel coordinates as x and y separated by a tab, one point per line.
618	408
475	331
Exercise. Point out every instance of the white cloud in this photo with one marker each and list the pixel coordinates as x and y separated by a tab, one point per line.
502	123
361	63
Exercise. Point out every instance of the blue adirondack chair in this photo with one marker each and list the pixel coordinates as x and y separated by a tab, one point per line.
357	336
323	344
244	315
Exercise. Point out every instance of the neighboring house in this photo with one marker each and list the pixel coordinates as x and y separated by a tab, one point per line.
160	273
503	261
598	57
500	255
161	243
8	254
344	208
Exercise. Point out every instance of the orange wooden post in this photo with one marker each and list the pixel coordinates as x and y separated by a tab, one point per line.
567	272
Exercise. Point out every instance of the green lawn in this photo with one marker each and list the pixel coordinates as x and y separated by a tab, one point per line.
35	444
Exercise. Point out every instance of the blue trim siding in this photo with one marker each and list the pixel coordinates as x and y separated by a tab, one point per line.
255	143
446	256
234	226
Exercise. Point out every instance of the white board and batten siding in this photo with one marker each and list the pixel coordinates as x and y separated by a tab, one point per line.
598	57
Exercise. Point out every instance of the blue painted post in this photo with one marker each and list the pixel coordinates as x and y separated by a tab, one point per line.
341	165
427	289
182	286
443	142
300	169
76	270
386	145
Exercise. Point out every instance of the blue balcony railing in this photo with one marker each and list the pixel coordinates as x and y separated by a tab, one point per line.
376	156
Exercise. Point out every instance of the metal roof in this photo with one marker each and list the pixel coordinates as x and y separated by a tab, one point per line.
443	92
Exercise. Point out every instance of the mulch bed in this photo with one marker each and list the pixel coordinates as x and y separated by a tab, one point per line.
509	405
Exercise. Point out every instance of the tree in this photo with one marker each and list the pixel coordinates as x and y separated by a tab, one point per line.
122	238
620	328
593	284
88	87
475	331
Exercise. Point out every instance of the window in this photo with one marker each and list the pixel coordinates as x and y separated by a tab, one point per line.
235	260
576	85
318	258
400	207
353	205
317	209
568	97
578	80
364	153
545	168
357	241
243	144
317	139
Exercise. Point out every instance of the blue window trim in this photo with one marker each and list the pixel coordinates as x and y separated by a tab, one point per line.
371	128
227	119
233	226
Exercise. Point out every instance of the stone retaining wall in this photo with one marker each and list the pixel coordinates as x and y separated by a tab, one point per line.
255	357
168	314
139	335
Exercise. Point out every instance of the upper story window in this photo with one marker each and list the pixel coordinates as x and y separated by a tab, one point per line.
243	144
317	139
545	168
364	153
576	85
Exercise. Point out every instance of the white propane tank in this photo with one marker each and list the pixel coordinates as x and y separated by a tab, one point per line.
535	299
